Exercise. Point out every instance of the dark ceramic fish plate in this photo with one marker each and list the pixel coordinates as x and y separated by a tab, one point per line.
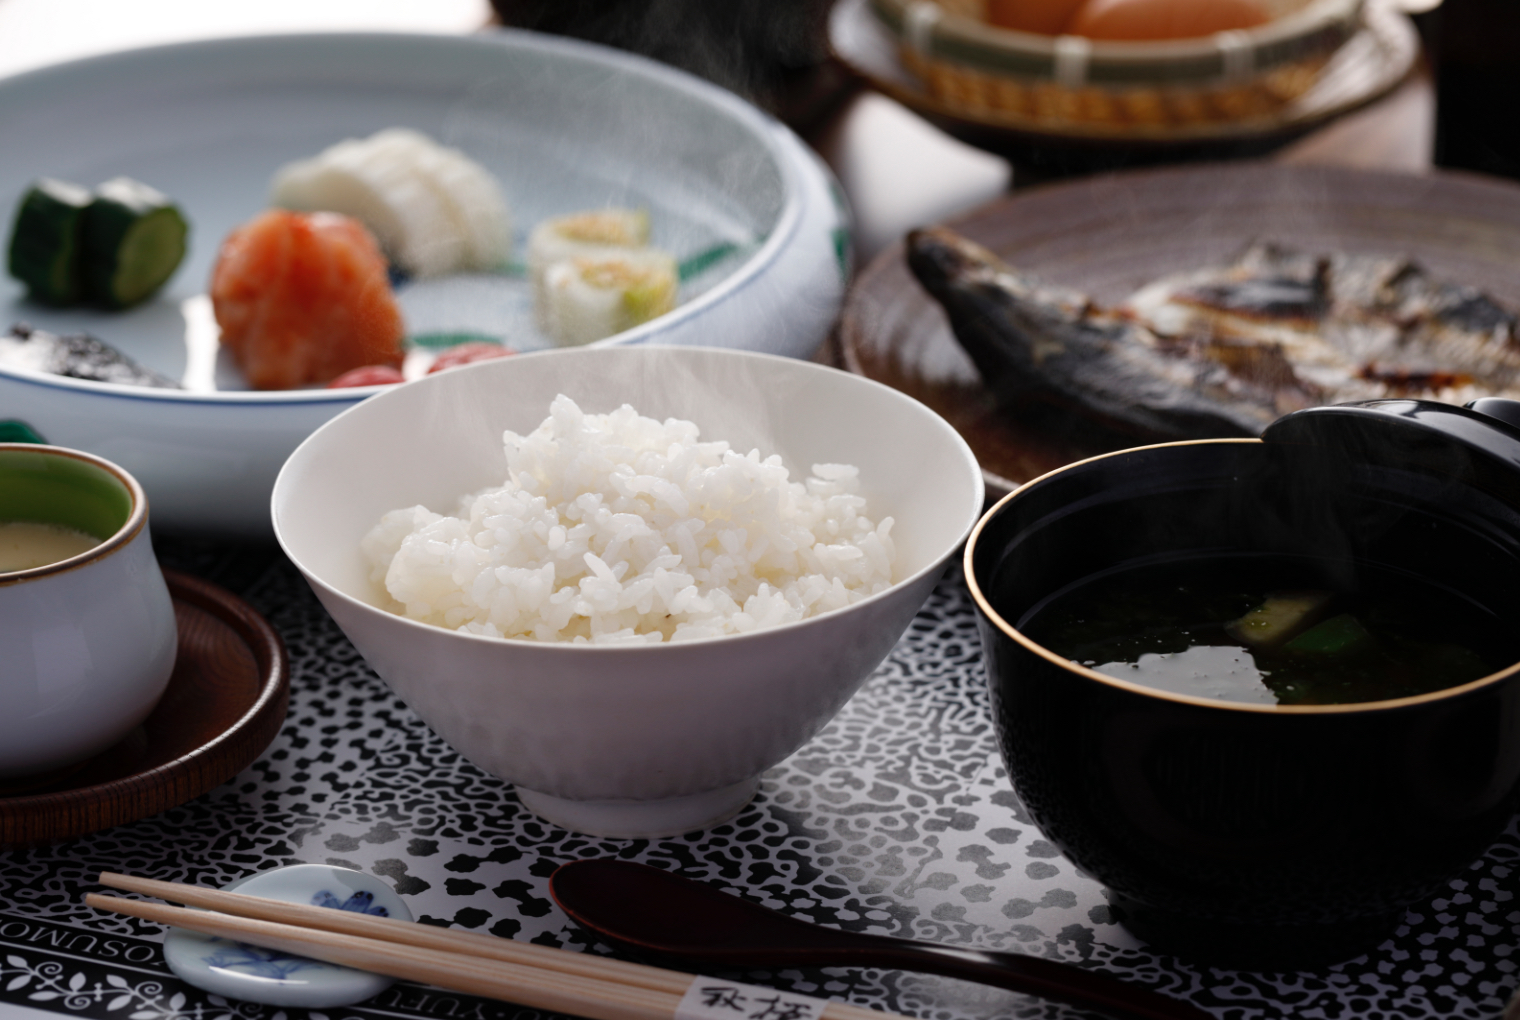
1108	235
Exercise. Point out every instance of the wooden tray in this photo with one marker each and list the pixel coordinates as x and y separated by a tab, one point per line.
1369	66
1108	235
225	702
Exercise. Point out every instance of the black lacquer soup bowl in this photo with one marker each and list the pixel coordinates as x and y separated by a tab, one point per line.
1260	835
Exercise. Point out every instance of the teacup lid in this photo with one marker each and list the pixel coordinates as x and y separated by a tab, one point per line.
1478	444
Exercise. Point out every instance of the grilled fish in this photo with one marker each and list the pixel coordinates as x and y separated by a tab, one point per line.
1224	350
77	355
1356	327
1033	342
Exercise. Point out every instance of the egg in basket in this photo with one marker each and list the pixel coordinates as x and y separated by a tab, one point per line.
1130	67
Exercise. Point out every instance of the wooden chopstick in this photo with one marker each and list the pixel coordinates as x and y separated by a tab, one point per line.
391	929
536	976
527	986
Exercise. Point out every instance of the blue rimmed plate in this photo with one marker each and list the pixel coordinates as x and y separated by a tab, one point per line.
563	125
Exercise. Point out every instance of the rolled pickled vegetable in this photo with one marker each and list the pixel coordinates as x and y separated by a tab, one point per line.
595	296
595	233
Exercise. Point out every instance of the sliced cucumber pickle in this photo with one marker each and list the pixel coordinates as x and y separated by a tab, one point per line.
132	238
44	251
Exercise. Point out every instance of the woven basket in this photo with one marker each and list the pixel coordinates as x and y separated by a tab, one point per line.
1024	79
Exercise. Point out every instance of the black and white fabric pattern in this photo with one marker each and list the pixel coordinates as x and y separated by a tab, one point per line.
898	819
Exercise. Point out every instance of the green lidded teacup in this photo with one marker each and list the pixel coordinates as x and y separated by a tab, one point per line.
87	627
51	504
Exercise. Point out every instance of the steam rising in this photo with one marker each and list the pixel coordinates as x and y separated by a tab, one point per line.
746	46
581	135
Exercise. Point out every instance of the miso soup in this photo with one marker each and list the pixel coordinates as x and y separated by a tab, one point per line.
1275	630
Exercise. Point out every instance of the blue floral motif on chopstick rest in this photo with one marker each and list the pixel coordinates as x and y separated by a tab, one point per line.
271	963
362	902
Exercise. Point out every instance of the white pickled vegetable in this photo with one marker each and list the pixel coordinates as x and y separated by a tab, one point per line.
433	209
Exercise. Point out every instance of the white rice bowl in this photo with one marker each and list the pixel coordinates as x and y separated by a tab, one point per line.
631	738
620	529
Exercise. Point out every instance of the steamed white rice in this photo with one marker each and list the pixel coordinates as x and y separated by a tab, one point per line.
619	529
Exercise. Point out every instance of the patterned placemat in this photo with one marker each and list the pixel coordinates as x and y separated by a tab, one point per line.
898	819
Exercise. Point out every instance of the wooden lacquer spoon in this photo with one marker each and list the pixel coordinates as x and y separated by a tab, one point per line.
647	910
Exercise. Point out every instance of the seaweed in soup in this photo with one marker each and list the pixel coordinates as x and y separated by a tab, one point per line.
1270	630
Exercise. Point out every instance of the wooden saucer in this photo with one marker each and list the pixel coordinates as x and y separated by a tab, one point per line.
225	702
